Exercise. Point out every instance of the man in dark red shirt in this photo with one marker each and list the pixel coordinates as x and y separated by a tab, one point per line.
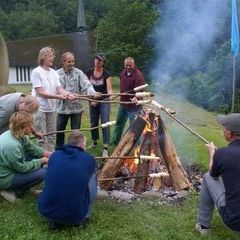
130	78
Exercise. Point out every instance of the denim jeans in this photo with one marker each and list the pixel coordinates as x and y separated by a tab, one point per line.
62	120
212	193
23	182
102	111
121	120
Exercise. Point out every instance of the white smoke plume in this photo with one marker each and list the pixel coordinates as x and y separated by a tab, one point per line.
187	30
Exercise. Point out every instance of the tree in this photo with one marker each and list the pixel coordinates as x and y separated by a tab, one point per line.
123	32
30	20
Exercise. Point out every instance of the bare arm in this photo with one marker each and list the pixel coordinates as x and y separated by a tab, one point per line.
42	93
109	85
211	150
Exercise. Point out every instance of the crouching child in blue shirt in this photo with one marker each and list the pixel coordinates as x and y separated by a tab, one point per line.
70	184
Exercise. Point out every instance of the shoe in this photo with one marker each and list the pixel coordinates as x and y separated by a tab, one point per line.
9	196
203	231
105	153
92	146
35	192
55	226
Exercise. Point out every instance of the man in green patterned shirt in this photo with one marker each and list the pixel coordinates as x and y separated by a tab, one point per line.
75	81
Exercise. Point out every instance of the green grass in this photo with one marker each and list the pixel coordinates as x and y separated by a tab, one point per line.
143	219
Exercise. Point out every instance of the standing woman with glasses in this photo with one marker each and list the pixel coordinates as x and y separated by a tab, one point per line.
102	82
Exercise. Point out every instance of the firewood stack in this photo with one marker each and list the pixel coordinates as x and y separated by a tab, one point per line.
156	143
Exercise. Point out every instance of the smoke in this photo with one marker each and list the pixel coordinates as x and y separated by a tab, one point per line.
185	35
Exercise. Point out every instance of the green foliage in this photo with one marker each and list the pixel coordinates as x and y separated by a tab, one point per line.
95	10
65	13
211	88
130	22
30	20
3	21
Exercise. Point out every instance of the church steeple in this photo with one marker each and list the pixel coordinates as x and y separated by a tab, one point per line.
81	21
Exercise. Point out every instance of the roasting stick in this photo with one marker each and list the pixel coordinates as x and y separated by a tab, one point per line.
161	107
136	89
137	94
141	157
138	102
151	175
104	125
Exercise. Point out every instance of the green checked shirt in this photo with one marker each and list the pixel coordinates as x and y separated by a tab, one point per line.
74	81
13	154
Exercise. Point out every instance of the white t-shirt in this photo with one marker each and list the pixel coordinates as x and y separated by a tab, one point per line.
49	81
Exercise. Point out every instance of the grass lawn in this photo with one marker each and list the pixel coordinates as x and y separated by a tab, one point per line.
142	219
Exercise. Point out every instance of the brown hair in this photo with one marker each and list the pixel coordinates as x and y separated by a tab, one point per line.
18	122
77	138
42	54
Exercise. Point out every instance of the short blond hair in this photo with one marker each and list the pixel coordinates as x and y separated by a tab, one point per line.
43	52
31	104
18	123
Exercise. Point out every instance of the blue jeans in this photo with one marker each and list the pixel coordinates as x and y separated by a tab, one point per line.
122	116
102	111
212	193
92	185
62	120
23	182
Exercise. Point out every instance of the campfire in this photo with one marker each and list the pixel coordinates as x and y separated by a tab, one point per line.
146	156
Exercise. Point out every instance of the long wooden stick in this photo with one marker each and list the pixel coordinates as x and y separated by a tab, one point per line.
119	178
104	125
110	101
155	104
151	175
122	157
136	89
142	157
115	94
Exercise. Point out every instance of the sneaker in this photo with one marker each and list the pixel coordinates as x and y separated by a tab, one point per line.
36	192
9	196
203	231
92	146
105	153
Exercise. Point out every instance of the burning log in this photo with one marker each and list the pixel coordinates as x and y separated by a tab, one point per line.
124	147
146	149
175	169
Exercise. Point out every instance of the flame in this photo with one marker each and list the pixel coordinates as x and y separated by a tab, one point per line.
132	163
148	128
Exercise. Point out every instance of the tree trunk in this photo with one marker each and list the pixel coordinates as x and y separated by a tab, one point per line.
175	169
124	148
